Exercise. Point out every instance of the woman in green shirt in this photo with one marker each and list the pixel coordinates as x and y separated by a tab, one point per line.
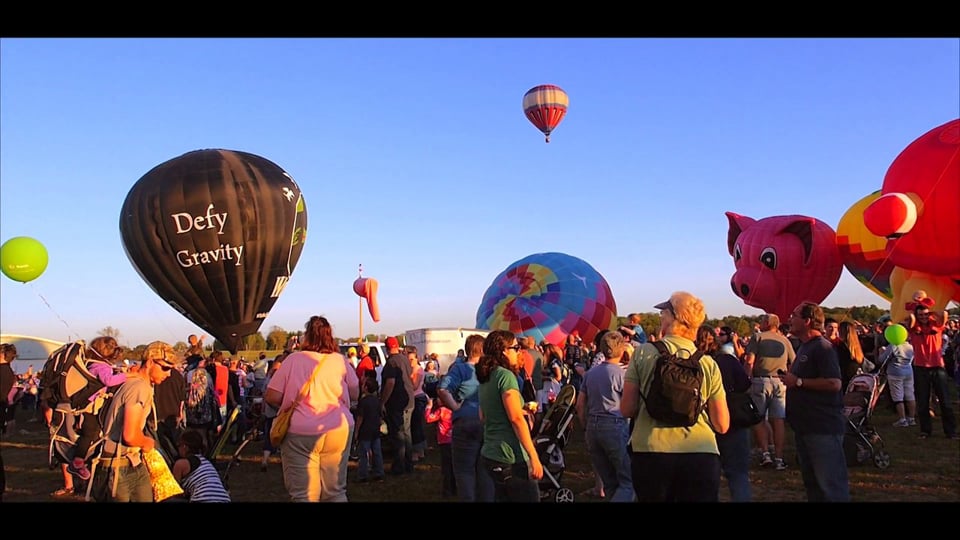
508	454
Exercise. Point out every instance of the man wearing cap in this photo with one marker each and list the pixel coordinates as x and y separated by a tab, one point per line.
352	357
396	399
365	364
929	369
125	421
675	464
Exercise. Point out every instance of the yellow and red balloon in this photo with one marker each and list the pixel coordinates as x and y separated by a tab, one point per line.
545	106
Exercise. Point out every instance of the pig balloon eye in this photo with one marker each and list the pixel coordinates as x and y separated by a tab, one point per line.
736	253
769	258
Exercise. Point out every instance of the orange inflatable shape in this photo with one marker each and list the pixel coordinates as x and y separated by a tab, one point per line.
367	288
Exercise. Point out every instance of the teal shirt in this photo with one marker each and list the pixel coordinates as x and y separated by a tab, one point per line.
648	434
500	443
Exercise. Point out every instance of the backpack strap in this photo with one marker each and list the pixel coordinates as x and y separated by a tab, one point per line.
662	350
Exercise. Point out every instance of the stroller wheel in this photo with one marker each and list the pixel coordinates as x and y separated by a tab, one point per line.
881	460
564	495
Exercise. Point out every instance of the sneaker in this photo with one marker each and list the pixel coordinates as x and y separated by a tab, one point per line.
62	492
903	422
79	470
954	436
779	465
924	435
911	421
766	459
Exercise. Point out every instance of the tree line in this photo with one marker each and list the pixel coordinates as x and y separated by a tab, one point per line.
276	338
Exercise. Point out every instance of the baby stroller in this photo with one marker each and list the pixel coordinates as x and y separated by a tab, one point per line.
255	416
551	437
861	441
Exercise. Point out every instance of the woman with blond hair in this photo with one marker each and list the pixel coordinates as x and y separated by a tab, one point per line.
849	353
315	451
668	463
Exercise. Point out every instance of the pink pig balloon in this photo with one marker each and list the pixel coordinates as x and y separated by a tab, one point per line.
782	261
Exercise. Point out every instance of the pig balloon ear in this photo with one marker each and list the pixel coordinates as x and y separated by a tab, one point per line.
367	288
738	224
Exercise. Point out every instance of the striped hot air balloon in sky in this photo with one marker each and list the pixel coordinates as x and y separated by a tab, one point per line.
545	106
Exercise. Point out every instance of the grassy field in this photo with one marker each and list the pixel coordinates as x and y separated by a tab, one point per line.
919	471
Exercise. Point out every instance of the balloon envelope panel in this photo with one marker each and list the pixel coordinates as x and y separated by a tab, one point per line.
217	235
864	254
548	296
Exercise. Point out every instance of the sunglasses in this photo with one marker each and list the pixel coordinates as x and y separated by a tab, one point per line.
165	368
515	347
723	334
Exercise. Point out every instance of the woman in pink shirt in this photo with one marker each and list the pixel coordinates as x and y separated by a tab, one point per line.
315	450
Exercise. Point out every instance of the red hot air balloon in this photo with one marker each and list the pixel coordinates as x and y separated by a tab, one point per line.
545	106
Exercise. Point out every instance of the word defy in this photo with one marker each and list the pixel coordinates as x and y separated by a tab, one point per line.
186	222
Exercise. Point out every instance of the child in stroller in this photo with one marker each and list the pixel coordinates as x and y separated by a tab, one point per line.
861	441
551	436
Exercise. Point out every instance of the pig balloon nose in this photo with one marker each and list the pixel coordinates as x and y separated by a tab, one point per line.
743	291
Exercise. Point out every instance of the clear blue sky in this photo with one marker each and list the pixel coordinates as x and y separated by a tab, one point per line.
416	160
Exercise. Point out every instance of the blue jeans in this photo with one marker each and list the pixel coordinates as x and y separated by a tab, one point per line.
370	451
473	483
398	431
734	448
923	379
606	438
823	466
133	484
418	424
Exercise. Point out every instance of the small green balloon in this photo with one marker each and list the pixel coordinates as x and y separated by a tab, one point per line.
23	259
896	334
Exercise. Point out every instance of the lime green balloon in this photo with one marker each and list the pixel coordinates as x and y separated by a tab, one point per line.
23	259
896	334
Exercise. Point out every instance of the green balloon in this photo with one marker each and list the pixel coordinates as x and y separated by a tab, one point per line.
896	334
23	259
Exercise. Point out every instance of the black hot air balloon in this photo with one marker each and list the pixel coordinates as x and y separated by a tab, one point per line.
216	234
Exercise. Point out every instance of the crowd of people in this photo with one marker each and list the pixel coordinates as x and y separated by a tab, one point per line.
487	404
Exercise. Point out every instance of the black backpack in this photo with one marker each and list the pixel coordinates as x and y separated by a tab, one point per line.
66	379
674	398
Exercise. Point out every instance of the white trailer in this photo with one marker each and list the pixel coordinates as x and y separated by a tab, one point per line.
445	342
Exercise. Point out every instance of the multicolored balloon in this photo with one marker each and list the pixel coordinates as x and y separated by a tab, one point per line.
782	261
864	254
545	106
23	258
549	296
216	234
